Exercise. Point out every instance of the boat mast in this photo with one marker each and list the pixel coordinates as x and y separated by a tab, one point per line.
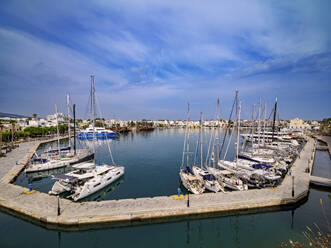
185	148
188	135
201	163
74	113
253	122
265	116
218	132
259	126
93	112
68	111
57	131
237	120
273	122
239	110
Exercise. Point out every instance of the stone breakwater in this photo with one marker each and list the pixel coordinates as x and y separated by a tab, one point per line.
42	209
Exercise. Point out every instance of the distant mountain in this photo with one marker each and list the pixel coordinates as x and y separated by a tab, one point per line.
12	115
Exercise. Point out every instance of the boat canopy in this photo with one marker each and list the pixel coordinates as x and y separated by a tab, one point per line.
188	170
209	177
247	158
40	160
261	166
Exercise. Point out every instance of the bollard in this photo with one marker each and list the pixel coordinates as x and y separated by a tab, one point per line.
58	206
188	200
292	186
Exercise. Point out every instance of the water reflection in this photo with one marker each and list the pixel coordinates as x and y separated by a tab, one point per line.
59	239
39	175
188	234
102	194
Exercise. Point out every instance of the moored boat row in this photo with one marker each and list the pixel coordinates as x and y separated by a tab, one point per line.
262	162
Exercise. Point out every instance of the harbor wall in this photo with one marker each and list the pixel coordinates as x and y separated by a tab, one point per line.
42	209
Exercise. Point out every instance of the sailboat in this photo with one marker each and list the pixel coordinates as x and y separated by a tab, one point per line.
224	177
40	164
75	156
60	157
89	176
190	181
251	172
211	183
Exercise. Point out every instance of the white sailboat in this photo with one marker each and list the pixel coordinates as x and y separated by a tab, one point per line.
60	157
190	181
89	177
35	165
224	177
211	183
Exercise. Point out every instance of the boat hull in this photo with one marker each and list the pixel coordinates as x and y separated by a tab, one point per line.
93	186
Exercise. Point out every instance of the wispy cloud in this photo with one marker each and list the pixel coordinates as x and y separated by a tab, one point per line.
156	55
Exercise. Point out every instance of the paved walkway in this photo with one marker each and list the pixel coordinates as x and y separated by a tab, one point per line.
19	155
42	208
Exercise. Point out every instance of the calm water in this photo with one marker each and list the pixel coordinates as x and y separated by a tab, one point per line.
255	230
322	158
152	161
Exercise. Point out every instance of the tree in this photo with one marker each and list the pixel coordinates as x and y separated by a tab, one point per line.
12	131
1	126
35	116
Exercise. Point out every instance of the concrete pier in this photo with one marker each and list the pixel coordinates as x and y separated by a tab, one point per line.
320	181
327	141
42	209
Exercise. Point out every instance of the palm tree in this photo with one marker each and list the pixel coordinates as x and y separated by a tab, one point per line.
35	116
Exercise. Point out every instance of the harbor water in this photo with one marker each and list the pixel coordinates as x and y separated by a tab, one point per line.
152	161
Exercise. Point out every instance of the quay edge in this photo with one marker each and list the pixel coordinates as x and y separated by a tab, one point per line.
40	208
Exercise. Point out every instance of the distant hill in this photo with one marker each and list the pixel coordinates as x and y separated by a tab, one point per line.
12	115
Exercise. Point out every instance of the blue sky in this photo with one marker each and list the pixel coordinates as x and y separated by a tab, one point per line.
151	57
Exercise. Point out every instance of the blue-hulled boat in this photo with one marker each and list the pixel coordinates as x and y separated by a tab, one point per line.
99	132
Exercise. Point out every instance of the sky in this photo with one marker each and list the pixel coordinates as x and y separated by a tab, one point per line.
150	58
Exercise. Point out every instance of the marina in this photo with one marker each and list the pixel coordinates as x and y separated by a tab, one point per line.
165	124
155	209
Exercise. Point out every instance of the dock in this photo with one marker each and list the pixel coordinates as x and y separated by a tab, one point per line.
320	181
327	141
42	209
